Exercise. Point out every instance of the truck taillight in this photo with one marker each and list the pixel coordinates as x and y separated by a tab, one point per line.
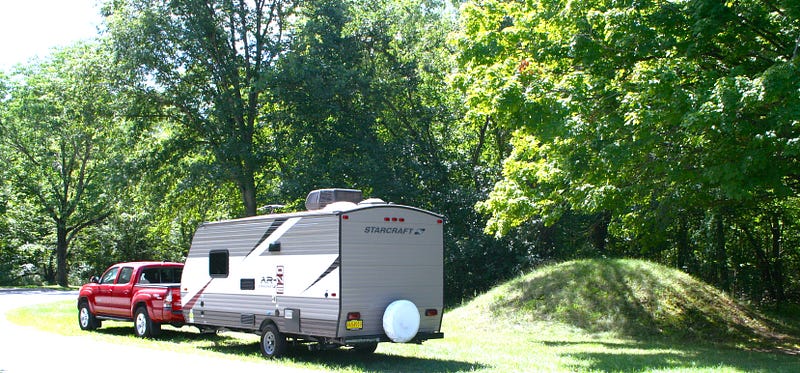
168	300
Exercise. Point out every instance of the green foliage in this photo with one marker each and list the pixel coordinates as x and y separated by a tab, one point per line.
640	114
207	67
57	133
357	107
625	105
326	131
173	188
542	130
366	103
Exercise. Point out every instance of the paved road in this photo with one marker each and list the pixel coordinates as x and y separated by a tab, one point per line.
25	349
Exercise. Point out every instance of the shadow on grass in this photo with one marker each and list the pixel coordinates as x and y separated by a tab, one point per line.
344	359
341	359
379	362
173	336
115	330
638	357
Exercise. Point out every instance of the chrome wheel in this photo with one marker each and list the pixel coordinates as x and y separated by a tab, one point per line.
141	324
83	316
86	320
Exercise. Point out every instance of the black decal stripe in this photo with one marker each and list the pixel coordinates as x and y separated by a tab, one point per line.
336	263
270	230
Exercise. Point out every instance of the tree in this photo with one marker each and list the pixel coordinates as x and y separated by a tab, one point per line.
637	113
58	137
365	102
326	104
207	65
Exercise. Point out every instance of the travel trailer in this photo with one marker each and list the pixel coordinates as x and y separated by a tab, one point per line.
347	272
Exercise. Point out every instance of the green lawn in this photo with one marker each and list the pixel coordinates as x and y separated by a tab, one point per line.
511	330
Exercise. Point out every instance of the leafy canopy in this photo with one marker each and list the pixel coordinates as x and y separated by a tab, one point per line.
628	107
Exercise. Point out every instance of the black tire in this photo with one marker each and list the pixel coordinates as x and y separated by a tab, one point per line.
87	320
143	326
365	348
273	343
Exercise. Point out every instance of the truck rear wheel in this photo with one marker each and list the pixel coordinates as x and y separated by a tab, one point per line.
144	325
273	343
86	319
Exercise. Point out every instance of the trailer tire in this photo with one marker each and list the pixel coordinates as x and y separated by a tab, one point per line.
143	325
273	343
87	320
365	348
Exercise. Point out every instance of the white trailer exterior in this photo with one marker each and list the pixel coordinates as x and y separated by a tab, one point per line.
325	276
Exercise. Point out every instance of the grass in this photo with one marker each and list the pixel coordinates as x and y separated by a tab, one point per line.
637	299
582	316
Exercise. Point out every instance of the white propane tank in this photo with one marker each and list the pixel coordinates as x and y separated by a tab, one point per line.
401	321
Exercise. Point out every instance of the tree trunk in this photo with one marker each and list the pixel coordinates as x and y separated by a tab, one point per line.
684	251
598	232
247	186
777	262
476	154
49	269
720	254
61	254
762	262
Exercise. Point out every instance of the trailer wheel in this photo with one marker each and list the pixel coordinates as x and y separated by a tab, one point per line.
86	319
365	348
273	343
143	325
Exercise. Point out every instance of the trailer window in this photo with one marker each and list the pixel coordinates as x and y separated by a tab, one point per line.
218	263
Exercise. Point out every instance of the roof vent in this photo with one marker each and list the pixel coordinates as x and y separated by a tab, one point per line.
372	202
320	198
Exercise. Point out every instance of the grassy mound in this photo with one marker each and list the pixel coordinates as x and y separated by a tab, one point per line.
630	298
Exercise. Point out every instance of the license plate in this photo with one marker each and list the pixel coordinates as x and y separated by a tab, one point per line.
354	324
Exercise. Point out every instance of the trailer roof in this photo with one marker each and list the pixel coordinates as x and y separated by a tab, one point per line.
337	208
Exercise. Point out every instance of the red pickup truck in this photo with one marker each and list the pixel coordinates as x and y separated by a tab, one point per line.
147	293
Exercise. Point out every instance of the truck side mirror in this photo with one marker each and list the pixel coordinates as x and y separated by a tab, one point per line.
94	279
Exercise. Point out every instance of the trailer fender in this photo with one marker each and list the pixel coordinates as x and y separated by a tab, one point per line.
265	324
401	321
